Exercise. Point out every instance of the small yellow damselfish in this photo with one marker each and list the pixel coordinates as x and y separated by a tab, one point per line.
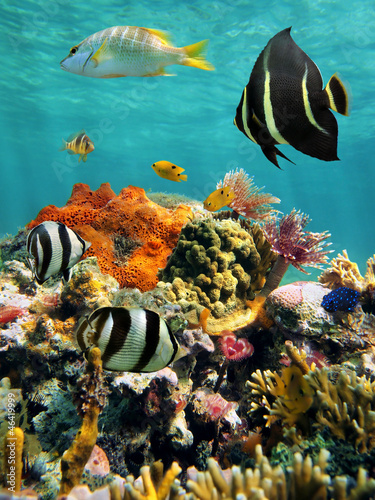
219	199
78	144
131	51
168	170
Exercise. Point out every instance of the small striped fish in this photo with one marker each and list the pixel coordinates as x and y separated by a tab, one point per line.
78	144
54	248
130	339
131	51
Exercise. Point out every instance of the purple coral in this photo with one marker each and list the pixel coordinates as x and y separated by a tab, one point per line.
294	246
248	201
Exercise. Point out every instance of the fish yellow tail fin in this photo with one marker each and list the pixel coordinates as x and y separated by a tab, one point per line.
339	95
196	56
63	146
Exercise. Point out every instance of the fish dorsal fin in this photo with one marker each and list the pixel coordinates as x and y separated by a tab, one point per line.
76	134
100	55
283	56
164	36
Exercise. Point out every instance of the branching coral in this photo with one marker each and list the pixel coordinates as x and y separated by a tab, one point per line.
249	201
343	272
302	480
346	407
155	486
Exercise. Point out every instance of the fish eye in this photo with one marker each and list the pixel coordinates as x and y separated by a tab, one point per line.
174	166
74	49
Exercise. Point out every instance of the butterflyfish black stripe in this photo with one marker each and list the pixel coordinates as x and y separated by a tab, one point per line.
46	244
152	338
121	326
66	245
174	344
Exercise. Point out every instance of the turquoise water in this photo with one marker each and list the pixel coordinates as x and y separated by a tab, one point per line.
187	119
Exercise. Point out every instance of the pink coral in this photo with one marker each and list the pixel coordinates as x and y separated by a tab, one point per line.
98	463
235	348
248	201
212	406
10	313
287	296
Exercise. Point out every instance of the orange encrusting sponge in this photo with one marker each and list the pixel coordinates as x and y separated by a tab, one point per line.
100	216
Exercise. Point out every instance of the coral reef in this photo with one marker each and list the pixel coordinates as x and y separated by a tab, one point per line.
293	245
296	309
344	273
212	268
113	223
248	200
316	399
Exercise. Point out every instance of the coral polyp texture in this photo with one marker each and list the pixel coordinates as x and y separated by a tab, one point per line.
296	309
215	266
248	200
130	235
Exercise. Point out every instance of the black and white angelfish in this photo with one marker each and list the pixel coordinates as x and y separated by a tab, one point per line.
285	103
130	339
54	248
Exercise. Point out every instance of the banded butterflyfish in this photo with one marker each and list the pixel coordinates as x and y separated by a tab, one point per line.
285	103
54	248
130	339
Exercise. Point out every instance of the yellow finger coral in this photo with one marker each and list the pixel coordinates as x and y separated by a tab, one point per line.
305	481
75	458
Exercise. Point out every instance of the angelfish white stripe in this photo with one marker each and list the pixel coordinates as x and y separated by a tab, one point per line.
267	106
306	103
244	117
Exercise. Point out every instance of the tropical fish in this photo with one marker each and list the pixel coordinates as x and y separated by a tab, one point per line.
54	248
285	103
219	199
78	144
168	170
131	51
130	339
341	299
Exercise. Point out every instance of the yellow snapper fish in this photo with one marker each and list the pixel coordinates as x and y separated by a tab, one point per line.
219	199
168	170
78	144
131	51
